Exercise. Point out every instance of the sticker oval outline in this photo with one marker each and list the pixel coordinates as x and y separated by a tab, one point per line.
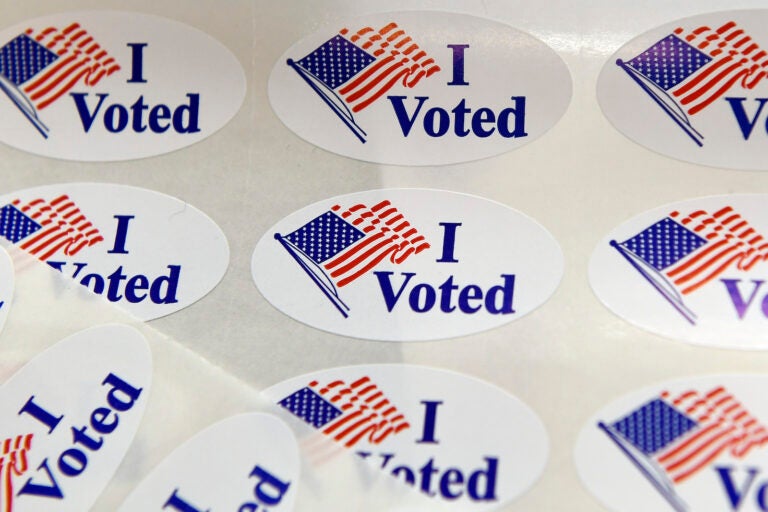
611	455
107	101
235	469
115	360
148	289
698	296
402	299
395	385
671	109
357	119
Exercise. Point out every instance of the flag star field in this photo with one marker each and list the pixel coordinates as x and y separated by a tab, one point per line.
654	426
664	243
669	62
311	407
22	58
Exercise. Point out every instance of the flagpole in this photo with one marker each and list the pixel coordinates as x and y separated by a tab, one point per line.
684	124
349	121
20	101
332	297
673	499
678	305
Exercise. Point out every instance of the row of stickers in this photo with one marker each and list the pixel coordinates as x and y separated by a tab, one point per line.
694	444
406	88
404	264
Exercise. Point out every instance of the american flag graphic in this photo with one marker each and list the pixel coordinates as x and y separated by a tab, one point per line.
13	465
349	413
689	250
345	244
44	228
684	433
39	66
359	67
695	68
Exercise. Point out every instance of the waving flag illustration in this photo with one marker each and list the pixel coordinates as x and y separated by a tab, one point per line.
44	228
671	438
687	71
13	465
38	67
348	413
352	70
681	253
339	246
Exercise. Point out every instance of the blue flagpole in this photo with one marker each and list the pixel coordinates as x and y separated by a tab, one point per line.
681	121
676	303
19	100
331	296
344	116
672	498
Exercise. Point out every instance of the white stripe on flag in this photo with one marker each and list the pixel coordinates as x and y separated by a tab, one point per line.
398	59
80	59
387	235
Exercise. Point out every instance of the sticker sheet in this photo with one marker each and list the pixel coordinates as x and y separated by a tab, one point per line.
500	256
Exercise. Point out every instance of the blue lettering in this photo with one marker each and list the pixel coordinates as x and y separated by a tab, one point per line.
40	414
52	490
451	477
483	116
82	108
185	118
269	490
179	504
430	422
406	121
518	114
422	302
437	122
745	124
741	305
736	495
484	122
451	483
121	234
73	461
458	64
449	242
162	289
390	297
422	297
137	63
70	456
116	118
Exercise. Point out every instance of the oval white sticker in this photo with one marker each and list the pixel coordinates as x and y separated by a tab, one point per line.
458	439
693	271
419	88
76	88
245	463
407	265
694	89
69	416
7	281
147	252
695	444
